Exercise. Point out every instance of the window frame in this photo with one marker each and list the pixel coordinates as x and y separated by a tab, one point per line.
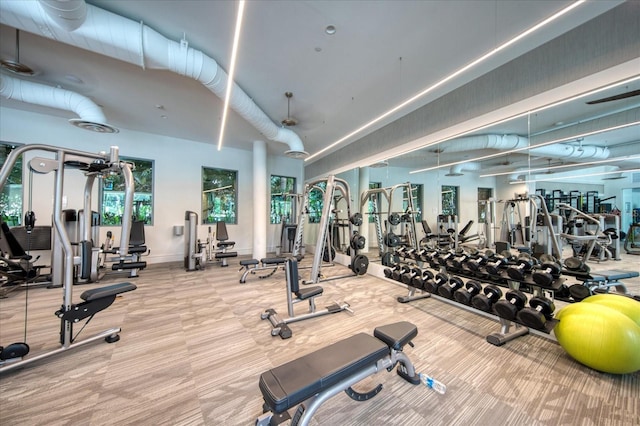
276	217
14	187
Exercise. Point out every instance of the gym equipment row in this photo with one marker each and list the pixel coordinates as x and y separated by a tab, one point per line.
307	382
94	300
295	294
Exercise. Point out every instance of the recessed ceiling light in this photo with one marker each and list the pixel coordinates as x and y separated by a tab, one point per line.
318	49
331	30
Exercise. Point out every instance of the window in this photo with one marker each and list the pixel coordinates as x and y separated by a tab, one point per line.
11	195
316	201
219	195
282	203
416	190
484	207
374	208
112	207
449	200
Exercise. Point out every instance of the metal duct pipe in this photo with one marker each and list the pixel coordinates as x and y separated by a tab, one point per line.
509	142
68	14
112	35
91	115
457	169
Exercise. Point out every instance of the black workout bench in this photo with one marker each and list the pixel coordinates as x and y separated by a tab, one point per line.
251	266
318	376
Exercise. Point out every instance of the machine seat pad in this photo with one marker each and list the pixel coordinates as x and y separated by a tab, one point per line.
285	386
110	290
227	254
396	335
308	292
272	260
137	249
248	262
225	244
613	275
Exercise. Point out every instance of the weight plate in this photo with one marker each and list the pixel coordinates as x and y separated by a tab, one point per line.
360	264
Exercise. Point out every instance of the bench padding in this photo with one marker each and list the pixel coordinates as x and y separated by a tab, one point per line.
111	290
298	380
613	275
272	260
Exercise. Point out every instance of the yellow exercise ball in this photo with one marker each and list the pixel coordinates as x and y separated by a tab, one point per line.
624	305
599	337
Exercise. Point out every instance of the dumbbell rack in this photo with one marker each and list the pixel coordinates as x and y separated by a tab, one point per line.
509	330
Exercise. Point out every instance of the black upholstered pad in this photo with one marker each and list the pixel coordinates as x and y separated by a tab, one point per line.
110	290
289	384
396	335
305	293
272	260
248	262
226	254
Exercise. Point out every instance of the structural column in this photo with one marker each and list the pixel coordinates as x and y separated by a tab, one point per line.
363	185
260	203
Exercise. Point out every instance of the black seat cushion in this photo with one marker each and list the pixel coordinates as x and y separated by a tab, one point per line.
291	383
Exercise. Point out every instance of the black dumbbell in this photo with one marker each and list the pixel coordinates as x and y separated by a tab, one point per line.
407	277
524	264
431	284
397	273
418	280
479	260
451	287
388	272
493	268
576	264
485	300
579	292
545	277
442	260
508	308
464	295
536	316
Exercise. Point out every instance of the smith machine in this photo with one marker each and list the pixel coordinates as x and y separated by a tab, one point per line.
335	189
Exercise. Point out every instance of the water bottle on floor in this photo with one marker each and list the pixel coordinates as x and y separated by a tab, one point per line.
432	383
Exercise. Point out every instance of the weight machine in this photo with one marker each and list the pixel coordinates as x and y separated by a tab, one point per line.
94	300
335	189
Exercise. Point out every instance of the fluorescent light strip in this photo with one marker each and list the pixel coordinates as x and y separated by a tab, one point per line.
526	148
451	76
566	166
232	70
574	177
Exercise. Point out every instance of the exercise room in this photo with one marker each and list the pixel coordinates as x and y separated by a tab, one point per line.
320	212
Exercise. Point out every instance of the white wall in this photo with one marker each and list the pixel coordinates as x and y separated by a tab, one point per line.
177	177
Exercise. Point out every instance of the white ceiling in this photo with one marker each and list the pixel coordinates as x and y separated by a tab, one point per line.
382	53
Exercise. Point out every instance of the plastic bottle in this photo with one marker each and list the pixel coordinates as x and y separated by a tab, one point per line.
432	383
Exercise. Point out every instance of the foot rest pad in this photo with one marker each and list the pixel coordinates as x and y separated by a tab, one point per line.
396	335
222	255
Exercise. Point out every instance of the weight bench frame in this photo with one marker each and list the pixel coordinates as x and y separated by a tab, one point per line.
279	326
266	263
309	381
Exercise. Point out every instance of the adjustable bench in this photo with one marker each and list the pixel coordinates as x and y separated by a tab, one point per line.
251	266
318	376
605	280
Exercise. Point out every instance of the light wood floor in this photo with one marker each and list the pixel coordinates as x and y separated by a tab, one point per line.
193	347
